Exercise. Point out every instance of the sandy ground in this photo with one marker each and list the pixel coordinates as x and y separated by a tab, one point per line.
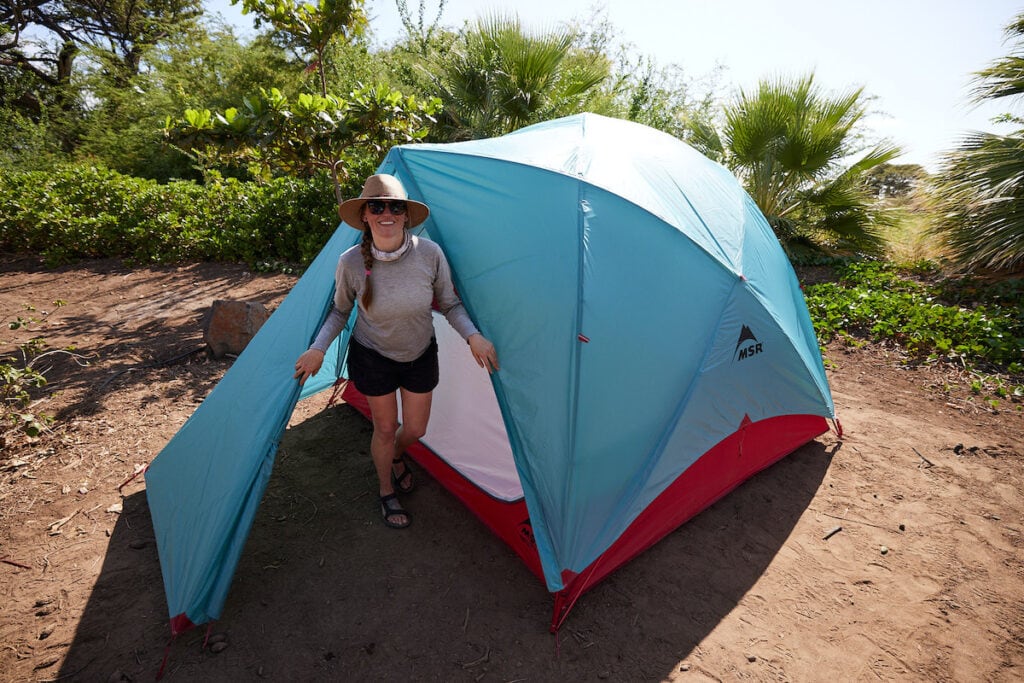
923	581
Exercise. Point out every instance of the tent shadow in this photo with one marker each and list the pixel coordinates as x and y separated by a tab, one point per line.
325	592
673	596
123	627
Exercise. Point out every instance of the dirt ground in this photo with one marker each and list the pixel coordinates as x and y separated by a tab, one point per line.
895	553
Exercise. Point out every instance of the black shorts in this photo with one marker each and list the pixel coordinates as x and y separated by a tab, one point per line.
377	375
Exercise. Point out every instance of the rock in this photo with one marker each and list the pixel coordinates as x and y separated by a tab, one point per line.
218	647
229	325
884	550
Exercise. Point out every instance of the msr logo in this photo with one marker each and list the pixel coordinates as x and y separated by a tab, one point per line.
747	345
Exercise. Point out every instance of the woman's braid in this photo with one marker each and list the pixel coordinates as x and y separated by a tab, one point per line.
368	263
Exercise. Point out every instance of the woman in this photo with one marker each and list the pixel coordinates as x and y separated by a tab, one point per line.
395	277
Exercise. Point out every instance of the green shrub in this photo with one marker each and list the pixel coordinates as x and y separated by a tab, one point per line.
88	211
877	301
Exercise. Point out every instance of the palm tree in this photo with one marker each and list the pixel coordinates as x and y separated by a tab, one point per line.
790	145
979	189
497	78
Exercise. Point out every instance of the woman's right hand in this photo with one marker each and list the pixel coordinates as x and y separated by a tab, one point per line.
308	364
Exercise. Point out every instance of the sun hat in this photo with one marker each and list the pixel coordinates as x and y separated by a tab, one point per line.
381	186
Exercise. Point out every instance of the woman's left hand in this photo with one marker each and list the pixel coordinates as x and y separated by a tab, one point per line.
483	352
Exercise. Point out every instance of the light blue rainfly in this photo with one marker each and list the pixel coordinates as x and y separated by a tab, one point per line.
205	486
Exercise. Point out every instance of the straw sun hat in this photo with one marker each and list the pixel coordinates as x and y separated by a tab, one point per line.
381	186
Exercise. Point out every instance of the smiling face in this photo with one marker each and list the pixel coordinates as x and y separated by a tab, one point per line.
388	229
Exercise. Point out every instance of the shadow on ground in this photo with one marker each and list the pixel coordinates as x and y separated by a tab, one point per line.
325	592
122	329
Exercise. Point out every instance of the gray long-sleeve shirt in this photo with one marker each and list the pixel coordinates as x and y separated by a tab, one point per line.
398	323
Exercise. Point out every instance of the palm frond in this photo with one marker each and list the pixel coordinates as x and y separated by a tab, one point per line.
501	78
1004	77
979	194
789	142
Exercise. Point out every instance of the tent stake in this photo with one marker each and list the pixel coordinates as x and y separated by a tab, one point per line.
927	462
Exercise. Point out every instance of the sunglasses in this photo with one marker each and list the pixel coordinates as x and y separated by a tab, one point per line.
377	206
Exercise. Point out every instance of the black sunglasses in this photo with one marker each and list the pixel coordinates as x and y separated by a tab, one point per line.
377	206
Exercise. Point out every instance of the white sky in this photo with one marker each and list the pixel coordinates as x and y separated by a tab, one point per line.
914	56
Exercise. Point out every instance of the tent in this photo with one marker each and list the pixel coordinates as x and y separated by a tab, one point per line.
655	348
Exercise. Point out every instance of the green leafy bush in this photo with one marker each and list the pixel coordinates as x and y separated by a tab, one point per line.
88	211
940	319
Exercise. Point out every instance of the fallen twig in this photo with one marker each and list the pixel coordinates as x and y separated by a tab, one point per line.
481	660
832	532
580	638
144	366
70	675
16	564
46	663
54	529
927	462
847	519
46	557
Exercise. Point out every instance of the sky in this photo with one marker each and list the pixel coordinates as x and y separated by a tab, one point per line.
915	58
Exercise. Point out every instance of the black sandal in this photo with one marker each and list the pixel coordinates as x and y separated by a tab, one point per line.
390	507
398	481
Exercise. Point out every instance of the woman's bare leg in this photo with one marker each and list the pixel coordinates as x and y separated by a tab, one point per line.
384	412
415	416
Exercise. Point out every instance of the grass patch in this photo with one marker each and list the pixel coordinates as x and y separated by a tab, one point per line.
908	241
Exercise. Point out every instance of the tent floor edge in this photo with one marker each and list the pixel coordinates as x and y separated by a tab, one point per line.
752	448
180	624
509	520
